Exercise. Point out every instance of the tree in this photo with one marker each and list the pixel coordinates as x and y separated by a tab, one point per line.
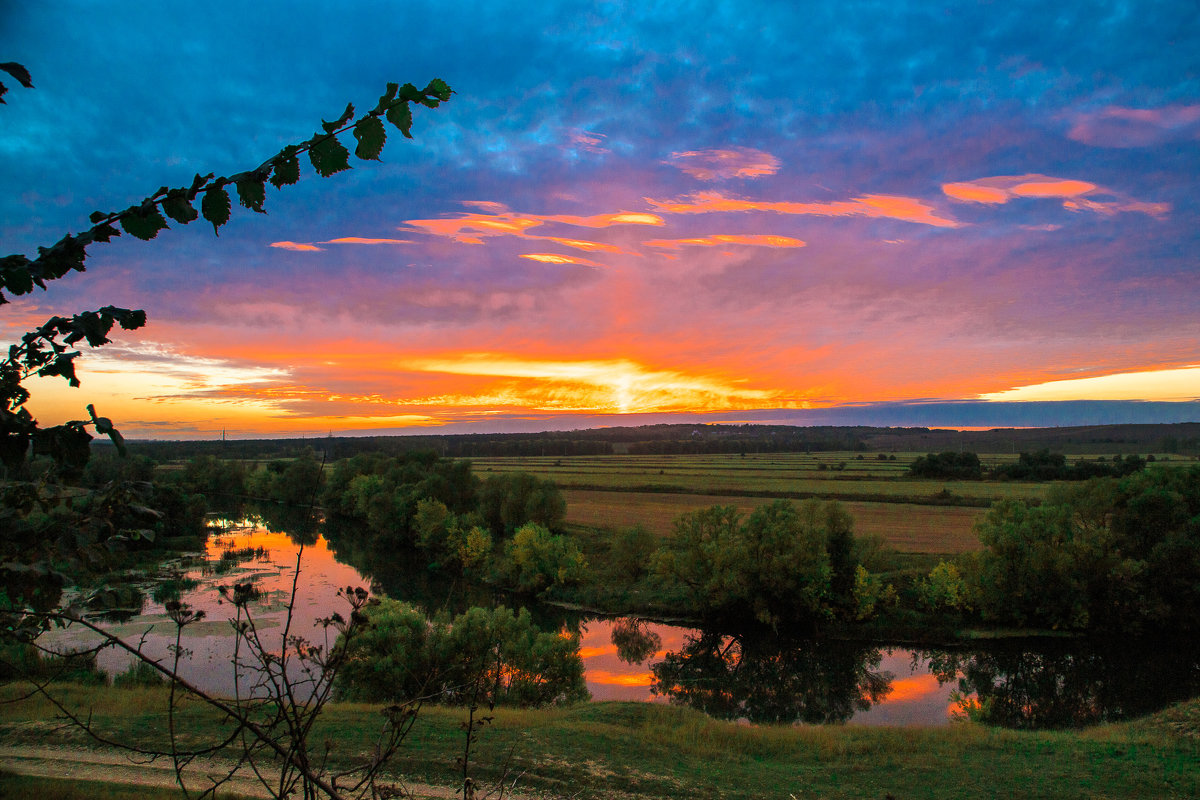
292	679
785	565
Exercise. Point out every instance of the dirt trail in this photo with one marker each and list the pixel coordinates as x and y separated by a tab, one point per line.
111	766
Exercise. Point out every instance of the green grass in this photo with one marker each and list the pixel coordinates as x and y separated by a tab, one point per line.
776	475
15	786
643	750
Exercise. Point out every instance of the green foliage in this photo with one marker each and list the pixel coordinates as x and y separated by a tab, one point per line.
509	500
948	465
630	552
1047	466
537	560
481	656
1105	555
944	589
785	565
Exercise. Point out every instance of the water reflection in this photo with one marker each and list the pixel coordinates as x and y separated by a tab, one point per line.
762	679
1069	684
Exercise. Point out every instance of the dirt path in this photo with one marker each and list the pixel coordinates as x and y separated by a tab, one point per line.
112	766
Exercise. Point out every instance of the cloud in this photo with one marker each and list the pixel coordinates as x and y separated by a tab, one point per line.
361	240
737	162
552	258
588	141
474	228
1172	385
906	209
1121	127
298	247
720	240
1000	189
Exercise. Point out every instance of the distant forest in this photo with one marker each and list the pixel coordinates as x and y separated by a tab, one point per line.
1178	438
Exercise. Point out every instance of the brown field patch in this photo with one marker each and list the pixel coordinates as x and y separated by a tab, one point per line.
907	527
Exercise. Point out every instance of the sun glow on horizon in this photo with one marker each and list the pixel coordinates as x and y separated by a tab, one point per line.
1170	385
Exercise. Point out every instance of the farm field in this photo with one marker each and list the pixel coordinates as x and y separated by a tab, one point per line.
840	476
907	527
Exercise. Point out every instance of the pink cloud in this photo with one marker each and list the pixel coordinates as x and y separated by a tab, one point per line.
1002	188
588	141
298	247
906	209
360	240
718	240
555	258
737	162
1118	126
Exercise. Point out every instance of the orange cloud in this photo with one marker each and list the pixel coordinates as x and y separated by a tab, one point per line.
1053	188
474	228
1002	188
552	258
737	162
299	247
906	209
717	240
361	240
580	244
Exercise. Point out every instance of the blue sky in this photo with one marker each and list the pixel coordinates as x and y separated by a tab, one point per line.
690	211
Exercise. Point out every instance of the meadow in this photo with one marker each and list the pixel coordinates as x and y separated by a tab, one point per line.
913	515
634	750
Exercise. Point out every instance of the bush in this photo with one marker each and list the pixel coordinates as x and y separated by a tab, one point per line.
482	655
537	560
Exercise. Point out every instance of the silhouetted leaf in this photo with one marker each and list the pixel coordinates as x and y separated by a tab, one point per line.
252	193
386	98
96	216
371	136
330	127
178	207
216	207
286	168
105	427
18	72
439	89
329	156
400	115
143	222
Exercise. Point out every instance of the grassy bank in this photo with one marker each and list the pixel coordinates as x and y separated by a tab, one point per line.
640	750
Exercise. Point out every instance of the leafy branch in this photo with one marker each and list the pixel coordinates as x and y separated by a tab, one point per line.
328	156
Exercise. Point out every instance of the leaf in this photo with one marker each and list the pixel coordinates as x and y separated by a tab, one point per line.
178	207
104	426
97	216
286	168
400	115
370	135
216	207
386	98
18	72
330	127
143	222
252	193
329	156
439	89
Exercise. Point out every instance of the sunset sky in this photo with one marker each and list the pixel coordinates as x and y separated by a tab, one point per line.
903	213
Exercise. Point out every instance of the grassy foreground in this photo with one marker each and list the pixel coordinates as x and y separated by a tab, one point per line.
643	750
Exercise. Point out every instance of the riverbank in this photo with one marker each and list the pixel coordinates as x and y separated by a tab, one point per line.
649	751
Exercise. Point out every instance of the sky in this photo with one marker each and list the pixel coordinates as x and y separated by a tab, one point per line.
900	213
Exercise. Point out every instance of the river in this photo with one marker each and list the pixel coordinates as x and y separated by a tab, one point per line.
1048	684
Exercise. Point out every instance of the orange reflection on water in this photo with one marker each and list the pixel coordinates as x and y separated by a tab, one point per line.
595	676
914	688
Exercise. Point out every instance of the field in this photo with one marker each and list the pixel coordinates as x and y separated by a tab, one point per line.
913	515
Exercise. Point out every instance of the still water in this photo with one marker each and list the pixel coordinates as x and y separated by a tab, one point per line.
748	679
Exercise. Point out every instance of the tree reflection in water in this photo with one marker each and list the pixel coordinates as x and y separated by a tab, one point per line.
768	680
1071	684
634	640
